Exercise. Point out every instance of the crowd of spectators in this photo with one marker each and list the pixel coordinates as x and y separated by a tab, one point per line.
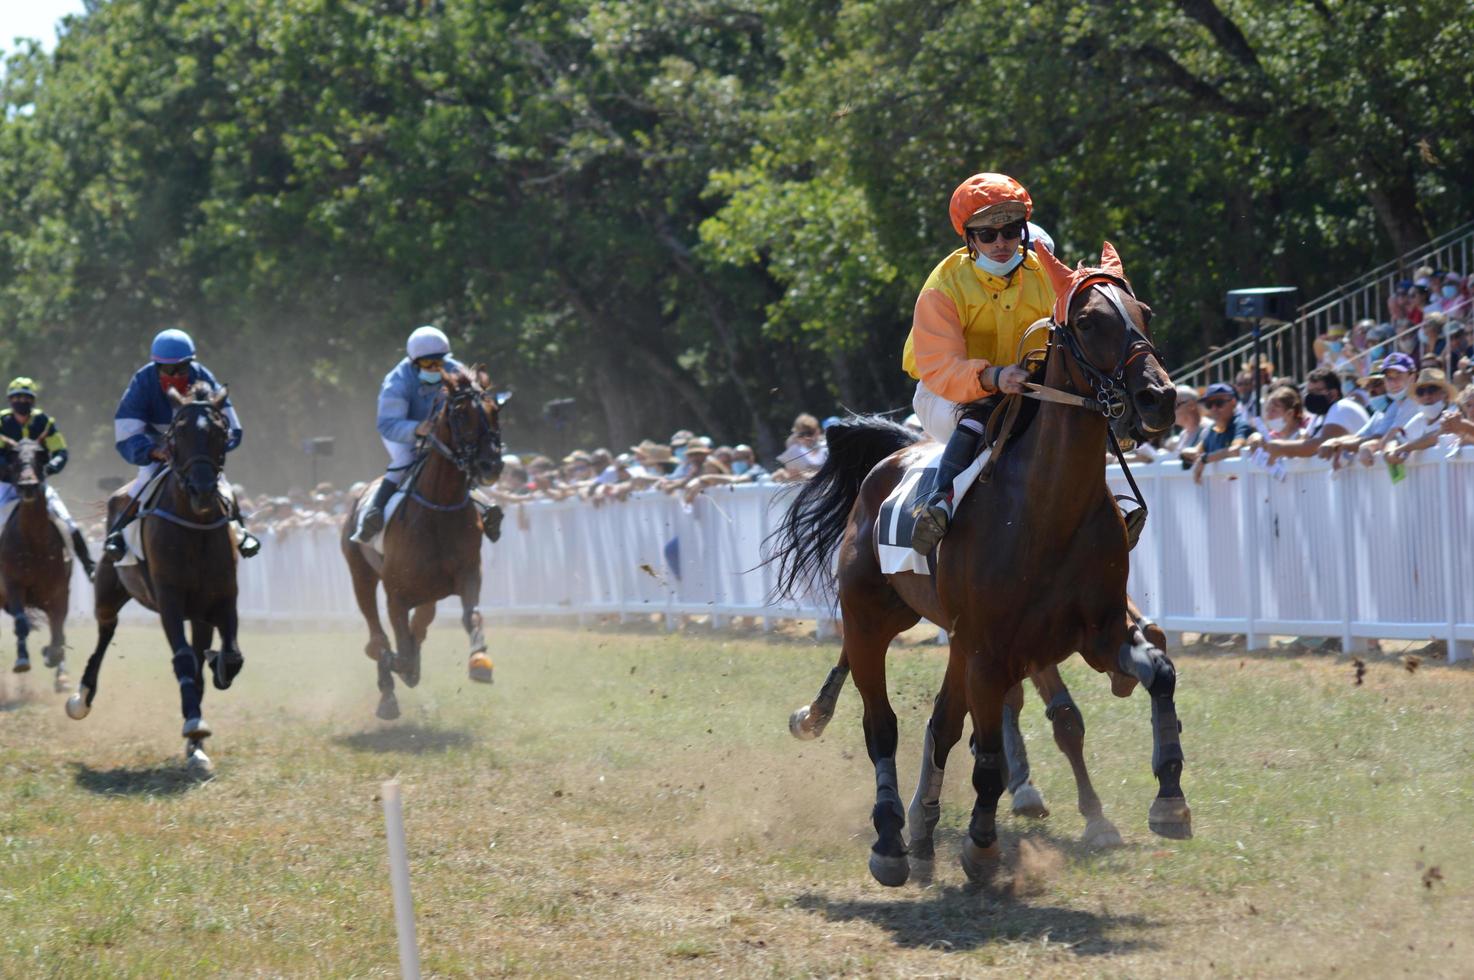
1378	392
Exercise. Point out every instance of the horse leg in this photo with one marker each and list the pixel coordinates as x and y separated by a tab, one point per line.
406	656
943	731
1069	735
186	669
56	651
109	595
17	611
1169	815
808	721
985	696
1027	800
225	665
479	666
365	589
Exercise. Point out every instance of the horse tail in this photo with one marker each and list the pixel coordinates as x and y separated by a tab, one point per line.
805	539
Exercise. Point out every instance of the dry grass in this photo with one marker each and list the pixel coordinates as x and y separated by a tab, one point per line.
628	803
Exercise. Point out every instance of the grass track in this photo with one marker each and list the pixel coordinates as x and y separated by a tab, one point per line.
629	803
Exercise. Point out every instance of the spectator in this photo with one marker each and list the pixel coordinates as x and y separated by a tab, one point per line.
1430	335
1456	302
1226	436
1433	394
1330	416
1284	413
1189	421
1459	421
1397	374
1402	309
1458	346
806	450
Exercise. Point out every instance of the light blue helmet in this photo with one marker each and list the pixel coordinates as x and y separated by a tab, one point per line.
427	341
171	347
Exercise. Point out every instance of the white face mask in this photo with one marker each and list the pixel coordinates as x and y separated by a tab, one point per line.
1436	409
999	269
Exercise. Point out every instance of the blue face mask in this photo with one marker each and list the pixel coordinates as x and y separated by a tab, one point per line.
739	467
430	377
999	269
1449	292
1334	346
1379	403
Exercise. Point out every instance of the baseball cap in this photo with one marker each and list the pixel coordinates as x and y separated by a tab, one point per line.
1217	389
1398	362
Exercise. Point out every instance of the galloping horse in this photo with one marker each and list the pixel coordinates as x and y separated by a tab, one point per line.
186	571
433	548
34	569
1033	569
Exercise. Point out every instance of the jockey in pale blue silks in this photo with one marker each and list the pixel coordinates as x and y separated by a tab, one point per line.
406	401
143	417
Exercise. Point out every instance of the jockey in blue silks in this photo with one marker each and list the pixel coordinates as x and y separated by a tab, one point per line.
143	416
406	401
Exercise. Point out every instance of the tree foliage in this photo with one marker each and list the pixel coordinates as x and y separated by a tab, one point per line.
703	212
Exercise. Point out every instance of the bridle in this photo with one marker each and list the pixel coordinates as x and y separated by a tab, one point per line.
214	419
463	446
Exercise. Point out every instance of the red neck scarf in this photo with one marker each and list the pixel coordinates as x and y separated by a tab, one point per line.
174	382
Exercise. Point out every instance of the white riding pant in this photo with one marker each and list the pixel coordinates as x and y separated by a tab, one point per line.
401	455
938	415
148	471
54	505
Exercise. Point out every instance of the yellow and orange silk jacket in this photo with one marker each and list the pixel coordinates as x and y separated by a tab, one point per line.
967	320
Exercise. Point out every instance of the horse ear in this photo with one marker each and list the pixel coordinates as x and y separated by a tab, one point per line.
1059	274
1110	261
482	377
221	393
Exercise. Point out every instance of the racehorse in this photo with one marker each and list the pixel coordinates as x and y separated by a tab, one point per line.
35	572
432	546
1033	568
186	571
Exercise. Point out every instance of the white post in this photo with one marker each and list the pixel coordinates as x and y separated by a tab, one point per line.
1446	552
1249	551
404	909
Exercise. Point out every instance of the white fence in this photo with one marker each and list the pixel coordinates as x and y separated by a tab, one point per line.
1346	554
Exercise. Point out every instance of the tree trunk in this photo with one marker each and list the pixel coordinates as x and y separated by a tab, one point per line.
1394	198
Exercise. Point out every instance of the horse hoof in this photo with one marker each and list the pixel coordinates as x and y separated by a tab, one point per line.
196	729
1029	802
224	666
388	708
22	664
53	656
77	706
1101	834
196	762
800	726
480	668
979	862
1171	818
374	649
891	872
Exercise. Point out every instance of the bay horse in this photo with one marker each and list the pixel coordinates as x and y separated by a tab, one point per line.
187	568
35	570
432	545
1033	568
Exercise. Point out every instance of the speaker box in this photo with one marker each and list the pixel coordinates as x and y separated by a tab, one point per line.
1275	303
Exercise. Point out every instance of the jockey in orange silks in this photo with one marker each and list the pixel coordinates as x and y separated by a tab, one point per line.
972	312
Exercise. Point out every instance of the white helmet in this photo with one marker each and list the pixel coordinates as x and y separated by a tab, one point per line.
428	341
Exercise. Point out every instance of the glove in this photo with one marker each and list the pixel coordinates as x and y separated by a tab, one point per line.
55	465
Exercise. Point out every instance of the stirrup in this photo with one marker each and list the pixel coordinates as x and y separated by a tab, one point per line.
931	523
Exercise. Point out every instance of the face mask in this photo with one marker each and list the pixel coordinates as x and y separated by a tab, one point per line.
1277	425
1379	403
1449	292
1398	396
174	382
1436	409
429	377
739	467
1318	404
999	269
22	407
1334	346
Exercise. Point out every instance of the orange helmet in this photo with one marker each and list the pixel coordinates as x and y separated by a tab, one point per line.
989	201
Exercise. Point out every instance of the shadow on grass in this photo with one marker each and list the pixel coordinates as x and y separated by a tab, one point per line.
164	779
409	739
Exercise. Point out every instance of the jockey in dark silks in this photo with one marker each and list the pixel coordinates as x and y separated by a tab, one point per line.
22	420
144	415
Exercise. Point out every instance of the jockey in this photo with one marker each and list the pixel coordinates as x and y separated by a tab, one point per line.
972	312
22	420
406	402
143	416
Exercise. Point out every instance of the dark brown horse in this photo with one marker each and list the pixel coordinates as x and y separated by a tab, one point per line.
1033	568
432	547
187	571
35	572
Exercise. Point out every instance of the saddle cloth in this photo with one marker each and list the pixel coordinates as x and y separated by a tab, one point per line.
133	533
377	544
894	525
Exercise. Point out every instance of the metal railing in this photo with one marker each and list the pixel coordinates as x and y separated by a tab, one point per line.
1290	346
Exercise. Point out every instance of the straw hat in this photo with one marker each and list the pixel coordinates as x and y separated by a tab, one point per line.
1435	376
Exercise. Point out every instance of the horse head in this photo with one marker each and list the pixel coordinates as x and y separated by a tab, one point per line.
196	442
470	424
1108	332
26	470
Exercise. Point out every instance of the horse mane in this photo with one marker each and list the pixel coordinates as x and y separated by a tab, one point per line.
459	377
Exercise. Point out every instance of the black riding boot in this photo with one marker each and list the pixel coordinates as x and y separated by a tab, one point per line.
113	546
249	545
491	523
79	545
935	512
371	518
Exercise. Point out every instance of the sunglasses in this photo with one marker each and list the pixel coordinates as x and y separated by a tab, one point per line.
1423	391
174	370
430	363
1010	233
1218	402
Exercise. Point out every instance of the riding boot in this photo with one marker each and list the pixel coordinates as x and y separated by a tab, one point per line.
250	545
371	518
935	513
491	523
79	545
113	546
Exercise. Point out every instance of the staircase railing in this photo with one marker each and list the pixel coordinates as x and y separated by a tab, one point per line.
1290	346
